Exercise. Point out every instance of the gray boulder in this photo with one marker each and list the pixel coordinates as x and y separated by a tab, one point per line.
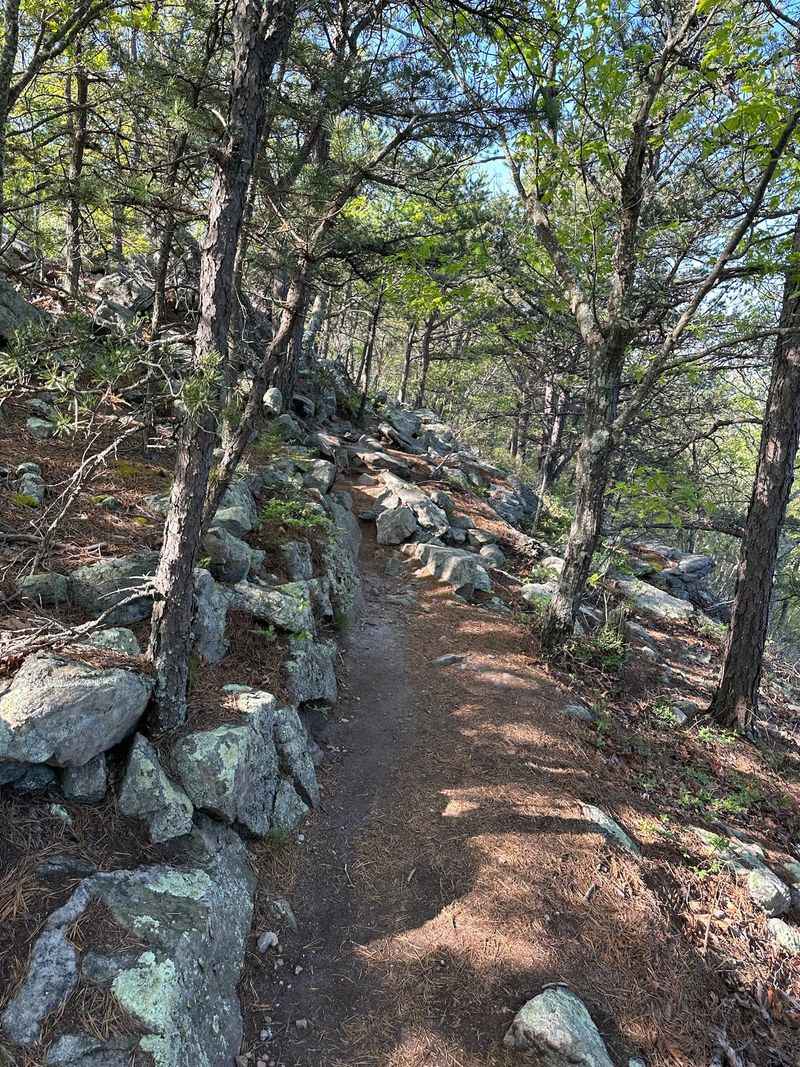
311	672
788	937
245	773
340	558
235	520
30	482
289	429
51	976
148	793
86	784
321	475
286	606
429	515
194	920
768	891
478	538
463	570
15	311
646	598
64	712
554	1029
273	401
209	618
228	556
116	639
494	555
100	586
46	588
610	829
297	558
83	1050
396	525
39	428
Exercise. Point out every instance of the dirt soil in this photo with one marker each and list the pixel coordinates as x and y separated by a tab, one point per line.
450	876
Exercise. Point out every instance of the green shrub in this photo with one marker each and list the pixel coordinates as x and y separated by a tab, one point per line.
293	513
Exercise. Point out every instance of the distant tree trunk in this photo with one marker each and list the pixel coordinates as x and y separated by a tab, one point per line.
513	441
591	477
77	128
369	352
258	38
735	702
314	322
410	337
425	357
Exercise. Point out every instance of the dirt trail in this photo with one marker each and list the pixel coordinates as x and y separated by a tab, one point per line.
449	876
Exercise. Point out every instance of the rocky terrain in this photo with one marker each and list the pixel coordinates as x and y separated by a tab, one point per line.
140	865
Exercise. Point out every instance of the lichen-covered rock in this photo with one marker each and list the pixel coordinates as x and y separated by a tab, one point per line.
209	618
64	712
286	606
463	570
30	482
40	428
245	773
51	976
429	515
610	828
396	525
321	475
494	555
273	401
538	594
788	937
228	556
96	588
46	588
148	793
235	520
311	672
340	559
646	598
297	558
84	1050
116	639
86	784
768	892
232	771
180	988
554	1029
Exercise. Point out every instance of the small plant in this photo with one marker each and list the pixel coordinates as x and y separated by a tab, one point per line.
267	632
24	500
716	632
605	648
269	445
294	513
663	714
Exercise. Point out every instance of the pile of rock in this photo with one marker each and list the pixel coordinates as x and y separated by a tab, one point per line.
72	730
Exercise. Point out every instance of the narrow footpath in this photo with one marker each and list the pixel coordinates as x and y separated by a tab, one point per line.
449	875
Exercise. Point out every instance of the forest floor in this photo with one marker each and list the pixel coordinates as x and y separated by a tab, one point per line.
450	874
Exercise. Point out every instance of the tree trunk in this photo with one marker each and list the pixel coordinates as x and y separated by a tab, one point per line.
425	358
735	702
403	391
258	38
314	323
77	123
368	353
591	477
7	57
160	280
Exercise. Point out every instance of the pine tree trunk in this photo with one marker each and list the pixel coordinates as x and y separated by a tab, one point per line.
258	38
425	358
403	391
7	57
735	702
77	126
591	478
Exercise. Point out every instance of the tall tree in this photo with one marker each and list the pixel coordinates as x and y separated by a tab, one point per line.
736	699
260	33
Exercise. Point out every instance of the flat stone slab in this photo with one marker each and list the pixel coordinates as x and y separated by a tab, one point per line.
610	829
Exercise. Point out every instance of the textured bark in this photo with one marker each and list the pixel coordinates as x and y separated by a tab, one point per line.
425	357
735	702
259	36
369	352
591	478
10	41
77	127
412	333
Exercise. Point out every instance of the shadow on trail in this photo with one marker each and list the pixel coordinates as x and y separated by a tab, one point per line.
451	875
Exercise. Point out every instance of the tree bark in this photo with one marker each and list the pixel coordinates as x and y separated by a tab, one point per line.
259	35
369	352
412	333
735	702
77	127
591	477
425	357
7	57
